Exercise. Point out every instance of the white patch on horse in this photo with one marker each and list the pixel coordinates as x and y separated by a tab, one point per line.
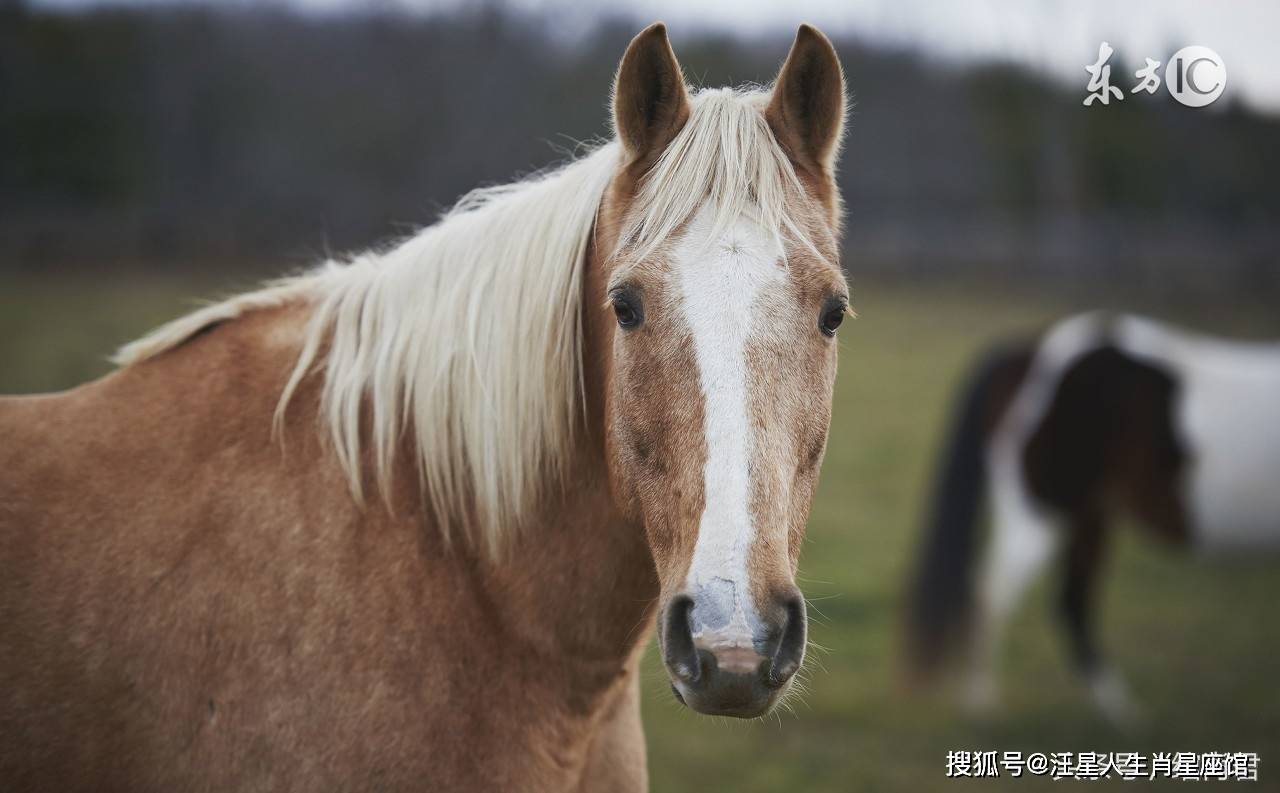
719	280
1024	534
1228	418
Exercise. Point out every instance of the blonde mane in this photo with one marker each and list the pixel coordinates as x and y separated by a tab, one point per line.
469	334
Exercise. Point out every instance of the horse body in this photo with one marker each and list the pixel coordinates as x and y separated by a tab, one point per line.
203	613
1103	416
1228	419
405	522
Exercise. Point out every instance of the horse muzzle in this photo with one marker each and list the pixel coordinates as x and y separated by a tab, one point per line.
732	673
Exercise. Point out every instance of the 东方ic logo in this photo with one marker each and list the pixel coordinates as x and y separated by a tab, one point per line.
1195	76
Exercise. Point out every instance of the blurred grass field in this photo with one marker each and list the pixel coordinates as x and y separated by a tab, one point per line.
1198	642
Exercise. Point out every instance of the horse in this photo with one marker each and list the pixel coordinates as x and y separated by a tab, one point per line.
407	520
1104	416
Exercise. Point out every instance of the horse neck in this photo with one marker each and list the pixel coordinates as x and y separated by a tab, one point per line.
579	583
580	579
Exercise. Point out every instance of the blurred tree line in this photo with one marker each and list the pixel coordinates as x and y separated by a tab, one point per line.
205	134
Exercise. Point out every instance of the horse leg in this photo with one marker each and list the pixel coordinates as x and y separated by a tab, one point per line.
1022	543
1086	548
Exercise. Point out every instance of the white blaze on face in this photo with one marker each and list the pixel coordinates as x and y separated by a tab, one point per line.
719	281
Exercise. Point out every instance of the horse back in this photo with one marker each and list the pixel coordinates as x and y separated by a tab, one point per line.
189	601
121	503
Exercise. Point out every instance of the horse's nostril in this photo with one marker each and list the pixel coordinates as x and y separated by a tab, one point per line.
790	653
678	650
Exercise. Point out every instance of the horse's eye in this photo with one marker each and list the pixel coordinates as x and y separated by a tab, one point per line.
832	316
626	308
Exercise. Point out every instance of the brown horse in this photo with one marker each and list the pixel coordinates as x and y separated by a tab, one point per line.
406	521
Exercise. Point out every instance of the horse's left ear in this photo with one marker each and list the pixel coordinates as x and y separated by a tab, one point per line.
806	109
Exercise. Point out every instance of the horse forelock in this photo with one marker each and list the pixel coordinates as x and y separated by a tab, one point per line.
724	162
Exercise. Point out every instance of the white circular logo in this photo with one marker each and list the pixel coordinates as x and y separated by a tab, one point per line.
1195	76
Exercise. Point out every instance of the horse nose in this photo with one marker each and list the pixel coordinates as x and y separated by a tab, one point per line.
788	654
676	636
720	673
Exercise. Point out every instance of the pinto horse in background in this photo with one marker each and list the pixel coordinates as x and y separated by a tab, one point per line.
577	405
1105	415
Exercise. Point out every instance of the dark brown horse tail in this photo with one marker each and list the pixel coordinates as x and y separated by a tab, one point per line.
939	600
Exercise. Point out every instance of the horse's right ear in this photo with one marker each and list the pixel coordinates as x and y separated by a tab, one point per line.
650	101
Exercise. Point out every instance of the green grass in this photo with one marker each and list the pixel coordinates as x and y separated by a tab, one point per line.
1198	642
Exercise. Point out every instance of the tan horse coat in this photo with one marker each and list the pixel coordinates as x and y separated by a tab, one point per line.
189	601
195	611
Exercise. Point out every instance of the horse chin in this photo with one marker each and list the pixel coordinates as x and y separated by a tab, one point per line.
746	699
